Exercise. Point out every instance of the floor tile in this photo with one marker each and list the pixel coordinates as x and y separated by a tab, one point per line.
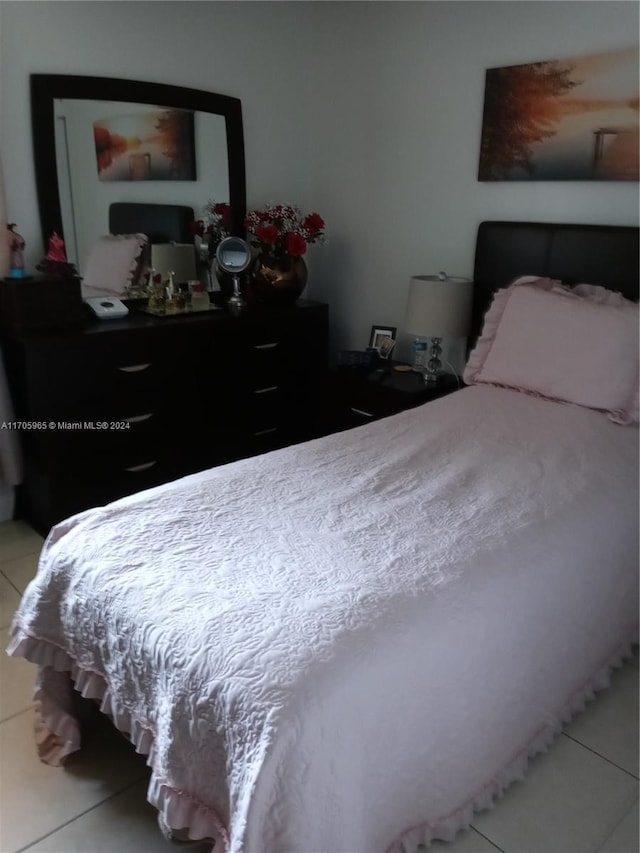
570	801
37	799
9	600
468	841
18	539
20	570
609	725
126	823
625	837
17	679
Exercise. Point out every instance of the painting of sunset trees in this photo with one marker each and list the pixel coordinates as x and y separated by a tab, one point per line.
146	145
562	120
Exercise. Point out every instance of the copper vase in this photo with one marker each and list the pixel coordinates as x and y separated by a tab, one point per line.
278	281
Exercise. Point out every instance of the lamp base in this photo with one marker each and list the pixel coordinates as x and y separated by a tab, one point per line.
431	378
434	365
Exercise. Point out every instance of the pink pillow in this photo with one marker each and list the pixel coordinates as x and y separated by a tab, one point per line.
577	346
113	264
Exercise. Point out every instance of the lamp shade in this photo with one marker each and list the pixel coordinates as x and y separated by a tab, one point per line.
178	258
439	306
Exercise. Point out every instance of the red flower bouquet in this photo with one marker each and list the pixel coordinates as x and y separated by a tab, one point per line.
281	233
209	231
215	222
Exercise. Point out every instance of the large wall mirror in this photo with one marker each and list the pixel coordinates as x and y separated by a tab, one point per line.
101	140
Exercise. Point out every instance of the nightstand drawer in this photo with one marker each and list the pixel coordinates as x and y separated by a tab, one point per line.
356	397
371	401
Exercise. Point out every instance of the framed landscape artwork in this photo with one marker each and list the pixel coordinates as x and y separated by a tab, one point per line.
151	144
562	120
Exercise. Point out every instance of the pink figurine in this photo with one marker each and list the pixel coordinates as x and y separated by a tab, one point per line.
56	249
55	262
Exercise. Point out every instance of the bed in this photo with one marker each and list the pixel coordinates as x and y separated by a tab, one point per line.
354	643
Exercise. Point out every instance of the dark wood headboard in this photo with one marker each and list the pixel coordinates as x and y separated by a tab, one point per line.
162	223
607	255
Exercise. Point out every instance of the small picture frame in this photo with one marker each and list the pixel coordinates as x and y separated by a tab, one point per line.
383	340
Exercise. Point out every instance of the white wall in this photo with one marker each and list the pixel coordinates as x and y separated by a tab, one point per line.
246	50
368	112
403	86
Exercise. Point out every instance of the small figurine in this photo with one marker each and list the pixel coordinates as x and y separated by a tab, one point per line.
56	250
16	252
55	261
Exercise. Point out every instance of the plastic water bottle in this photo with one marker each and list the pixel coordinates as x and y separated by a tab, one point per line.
419	355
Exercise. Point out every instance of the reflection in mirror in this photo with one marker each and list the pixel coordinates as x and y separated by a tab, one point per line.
107	151
99	141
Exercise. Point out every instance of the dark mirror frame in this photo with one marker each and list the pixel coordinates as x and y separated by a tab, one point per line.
46	88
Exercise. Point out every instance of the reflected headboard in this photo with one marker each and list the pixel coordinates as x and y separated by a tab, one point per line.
162	223
607	255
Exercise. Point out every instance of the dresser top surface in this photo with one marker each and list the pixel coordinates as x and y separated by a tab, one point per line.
138	319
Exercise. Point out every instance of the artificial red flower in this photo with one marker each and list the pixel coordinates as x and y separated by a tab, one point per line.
296	245
267	234
223	211
280	232
314	224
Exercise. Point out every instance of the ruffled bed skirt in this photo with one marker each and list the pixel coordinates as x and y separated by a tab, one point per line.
58	735
446	827
57	732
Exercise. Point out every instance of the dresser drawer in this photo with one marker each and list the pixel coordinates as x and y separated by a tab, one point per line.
146	400
67	377
261	365
60	496
131	427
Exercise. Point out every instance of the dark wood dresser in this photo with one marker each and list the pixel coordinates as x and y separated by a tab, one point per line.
108	408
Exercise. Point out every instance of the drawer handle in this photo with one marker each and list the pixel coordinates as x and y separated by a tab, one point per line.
138	419
265	431
135	368
265	390
144	467
266	346
362	412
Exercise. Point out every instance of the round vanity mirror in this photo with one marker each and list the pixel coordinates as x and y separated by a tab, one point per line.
234	256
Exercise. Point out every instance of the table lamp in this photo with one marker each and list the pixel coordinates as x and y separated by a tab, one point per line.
438	307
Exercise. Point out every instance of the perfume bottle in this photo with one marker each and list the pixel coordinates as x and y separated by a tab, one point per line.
199	296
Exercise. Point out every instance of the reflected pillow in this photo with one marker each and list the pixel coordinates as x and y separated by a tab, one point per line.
577	346
114	264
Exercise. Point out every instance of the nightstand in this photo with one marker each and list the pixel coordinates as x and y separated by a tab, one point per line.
357	396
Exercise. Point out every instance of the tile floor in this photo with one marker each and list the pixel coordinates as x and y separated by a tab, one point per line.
580	797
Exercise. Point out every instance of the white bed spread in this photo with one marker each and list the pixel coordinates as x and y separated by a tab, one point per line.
348	645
